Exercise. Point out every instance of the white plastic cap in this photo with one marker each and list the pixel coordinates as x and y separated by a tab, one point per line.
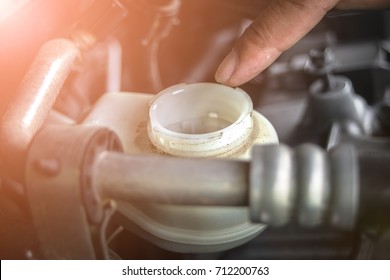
200	120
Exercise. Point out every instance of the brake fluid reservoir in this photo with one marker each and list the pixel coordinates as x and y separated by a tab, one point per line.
186	120
206	120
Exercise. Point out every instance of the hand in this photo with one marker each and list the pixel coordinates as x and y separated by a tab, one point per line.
280	24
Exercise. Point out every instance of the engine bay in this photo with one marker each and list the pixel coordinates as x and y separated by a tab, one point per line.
117	143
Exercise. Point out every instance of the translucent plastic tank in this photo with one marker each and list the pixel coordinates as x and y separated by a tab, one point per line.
195	120
206	120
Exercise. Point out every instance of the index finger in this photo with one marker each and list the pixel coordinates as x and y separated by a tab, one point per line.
279	26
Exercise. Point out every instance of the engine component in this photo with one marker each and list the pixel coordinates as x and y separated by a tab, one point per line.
34	100
183	228
205	119
68	215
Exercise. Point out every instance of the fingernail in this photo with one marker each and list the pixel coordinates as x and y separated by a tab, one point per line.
227	67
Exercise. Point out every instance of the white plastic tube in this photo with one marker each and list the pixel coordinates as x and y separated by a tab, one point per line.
200	120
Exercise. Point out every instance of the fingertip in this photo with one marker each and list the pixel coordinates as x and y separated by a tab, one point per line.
227	68
239	67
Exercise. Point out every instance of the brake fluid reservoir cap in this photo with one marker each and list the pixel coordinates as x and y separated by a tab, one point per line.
200	120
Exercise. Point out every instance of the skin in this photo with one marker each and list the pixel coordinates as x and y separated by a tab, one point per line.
280	24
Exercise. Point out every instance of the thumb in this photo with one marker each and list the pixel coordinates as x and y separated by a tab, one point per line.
279	26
